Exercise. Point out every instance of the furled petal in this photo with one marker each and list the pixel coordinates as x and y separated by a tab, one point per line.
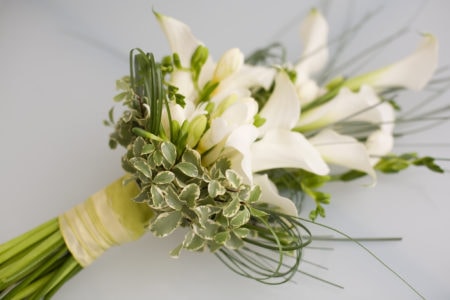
282	110
412	72
184	43
378	144
240	141
314	36
343	150
248	76
270	196
364	106
281	148
180	37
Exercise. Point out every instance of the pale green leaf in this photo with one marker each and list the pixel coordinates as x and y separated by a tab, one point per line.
147	149
241	232
193	242
190	193
138	145
175	253
241	218
188	169
234	179
165	223
215	189
173	201
141	165
234	242
231	208
169	152
157	197
222	237
164	177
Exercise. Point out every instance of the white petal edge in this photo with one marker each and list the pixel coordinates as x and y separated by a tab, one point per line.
286	149
314	36
344	151
282	110
270	196
413	72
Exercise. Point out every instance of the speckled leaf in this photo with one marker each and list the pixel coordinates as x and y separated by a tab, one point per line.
164	177
255	194
187	168
191	156
158	158
241	232
147	149
190	193
231	208
141	165
234	242
169	152
234	179
165	223
193	242
157	197
215	189
175	253
222	237
240	218
173	201
138	145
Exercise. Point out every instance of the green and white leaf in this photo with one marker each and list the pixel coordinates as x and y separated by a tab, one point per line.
166	223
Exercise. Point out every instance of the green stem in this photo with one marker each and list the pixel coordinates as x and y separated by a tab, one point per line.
51	264
32	288
58	278
16	245
19	269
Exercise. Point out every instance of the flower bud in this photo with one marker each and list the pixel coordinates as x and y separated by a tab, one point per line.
230	62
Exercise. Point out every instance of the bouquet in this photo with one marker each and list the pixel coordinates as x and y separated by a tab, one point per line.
227	150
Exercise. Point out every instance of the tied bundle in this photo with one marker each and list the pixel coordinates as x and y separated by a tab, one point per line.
227	150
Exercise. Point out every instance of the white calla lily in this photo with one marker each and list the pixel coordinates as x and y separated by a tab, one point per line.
343	150
378	144
270	196
364	106
280	147
286	149
412	72
314	37
282	110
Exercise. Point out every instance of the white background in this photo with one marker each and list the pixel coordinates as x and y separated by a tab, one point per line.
58	64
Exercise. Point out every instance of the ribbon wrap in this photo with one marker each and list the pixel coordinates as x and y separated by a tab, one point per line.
109	217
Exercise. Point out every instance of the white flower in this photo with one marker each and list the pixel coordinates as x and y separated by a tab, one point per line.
314	37
280	147
412	72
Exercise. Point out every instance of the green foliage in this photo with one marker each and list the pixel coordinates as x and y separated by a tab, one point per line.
392	164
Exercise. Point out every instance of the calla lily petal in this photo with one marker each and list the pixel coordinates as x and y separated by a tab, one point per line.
286	149
413	72
270	196
240	140
362	106
378	144
183	42
180	37
344	151
314	36
282	110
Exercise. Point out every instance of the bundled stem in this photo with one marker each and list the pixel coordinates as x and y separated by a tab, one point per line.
35	264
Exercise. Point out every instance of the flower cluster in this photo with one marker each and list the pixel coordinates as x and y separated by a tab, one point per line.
275	123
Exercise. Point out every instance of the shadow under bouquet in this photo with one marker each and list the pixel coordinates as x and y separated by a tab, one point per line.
227	149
